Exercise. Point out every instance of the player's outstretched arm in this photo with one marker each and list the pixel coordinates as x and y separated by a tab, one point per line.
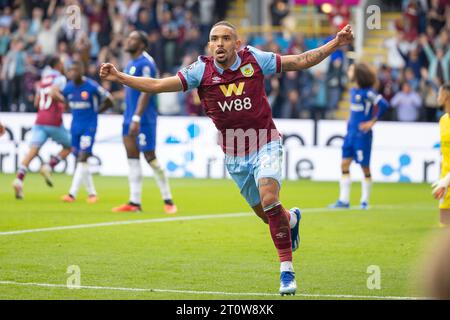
312	57
144	84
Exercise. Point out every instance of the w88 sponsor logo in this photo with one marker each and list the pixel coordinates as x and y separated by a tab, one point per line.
236	104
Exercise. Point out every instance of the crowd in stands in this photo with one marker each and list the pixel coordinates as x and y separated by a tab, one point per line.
418	60
418	57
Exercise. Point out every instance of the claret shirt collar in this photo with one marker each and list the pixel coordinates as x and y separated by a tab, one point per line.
234	67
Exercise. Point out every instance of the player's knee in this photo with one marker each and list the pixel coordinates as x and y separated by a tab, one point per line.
268	198
366	171
150	156
83	156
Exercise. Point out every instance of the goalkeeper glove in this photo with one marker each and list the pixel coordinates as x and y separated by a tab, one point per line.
442	183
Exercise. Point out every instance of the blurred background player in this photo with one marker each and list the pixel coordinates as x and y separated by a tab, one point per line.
83	96
367	106
231	86
139	126
440	187
50	104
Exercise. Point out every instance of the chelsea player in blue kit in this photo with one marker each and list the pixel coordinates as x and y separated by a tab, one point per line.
367	106
139	127
86	99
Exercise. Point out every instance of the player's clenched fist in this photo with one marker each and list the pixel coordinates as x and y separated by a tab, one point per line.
108	72
345	36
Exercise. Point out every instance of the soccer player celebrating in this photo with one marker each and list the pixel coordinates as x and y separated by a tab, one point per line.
83	96
231	87
49	124
139	127
366	108
440	187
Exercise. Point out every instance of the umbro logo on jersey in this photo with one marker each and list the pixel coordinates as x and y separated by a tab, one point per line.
132	70
216	79
232	88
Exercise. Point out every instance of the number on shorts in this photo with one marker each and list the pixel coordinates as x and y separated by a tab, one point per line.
85	142
142	140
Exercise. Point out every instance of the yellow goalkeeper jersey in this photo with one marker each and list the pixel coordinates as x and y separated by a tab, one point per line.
444	126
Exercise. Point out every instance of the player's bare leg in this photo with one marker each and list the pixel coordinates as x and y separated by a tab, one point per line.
259	210
344	186
366	187
444	217
162	181
82	175
46	169
280	222
134	176
23	169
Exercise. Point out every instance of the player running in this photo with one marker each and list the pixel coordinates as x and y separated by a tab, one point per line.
440	187
86	99
367	106
139	127
231	87
49	124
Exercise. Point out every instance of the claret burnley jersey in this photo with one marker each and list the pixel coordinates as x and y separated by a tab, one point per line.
235	98
50	111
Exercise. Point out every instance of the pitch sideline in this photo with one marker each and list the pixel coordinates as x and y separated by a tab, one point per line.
198	217
306	295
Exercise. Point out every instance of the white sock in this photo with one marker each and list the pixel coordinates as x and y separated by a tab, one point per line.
135	180
293	220
77	178
366	187
161	180
345	185
88	181
286	266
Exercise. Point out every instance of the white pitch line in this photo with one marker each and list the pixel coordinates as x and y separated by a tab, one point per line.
115	223
198	217
306	295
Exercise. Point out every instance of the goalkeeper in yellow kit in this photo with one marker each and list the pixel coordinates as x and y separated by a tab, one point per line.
440	187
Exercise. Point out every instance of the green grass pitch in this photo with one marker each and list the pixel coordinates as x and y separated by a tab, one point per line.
209	258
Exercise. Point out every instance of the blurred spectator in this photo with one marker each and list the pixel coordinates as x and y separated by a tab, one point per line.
169	32
94	40
407	104
435	15
14	67
5	38
429	92
339	15
335	80
291	89
438	61
410	77
47	36
279	9
398	47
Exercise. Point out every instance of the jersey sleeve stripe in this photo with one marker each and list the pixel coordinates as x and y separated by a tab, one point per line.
278	58
183	80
